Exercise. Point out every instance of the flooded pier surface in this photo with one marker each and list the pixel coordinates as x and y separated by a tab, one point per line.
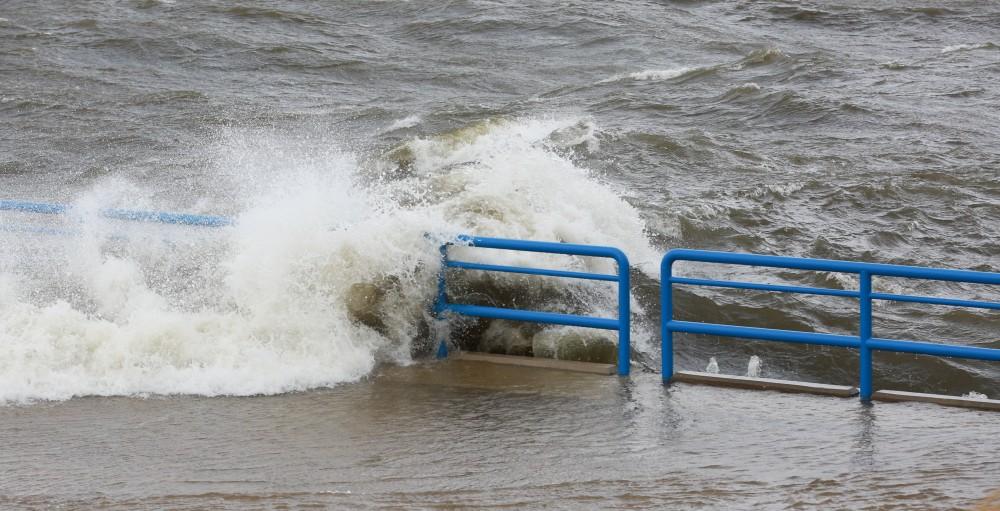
472	435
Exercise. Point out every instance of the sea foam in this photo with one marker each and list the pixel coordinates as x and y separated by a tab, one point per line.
263	307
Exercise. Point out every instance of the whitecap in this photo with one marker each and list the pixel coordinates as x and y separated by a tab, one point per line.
651	75
967	47
406	122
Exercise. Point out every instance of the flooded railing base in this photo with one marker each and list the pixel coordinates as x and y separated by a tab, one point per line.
538	363
865	342
963	402
621	324
747	382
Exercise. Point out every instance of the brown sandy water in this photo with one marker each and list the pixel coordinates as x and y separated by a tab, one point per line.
457	435
338	134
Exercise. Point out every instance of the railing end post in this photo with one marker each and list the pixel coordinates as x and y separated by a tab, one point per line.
666	316
864	335
624	350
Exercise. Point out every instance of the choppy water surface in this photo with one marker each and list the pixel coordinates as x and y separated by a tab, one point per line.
340	136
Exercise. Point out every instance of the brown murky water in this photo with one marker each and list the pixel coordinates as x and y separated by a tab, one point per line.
338	134
471	435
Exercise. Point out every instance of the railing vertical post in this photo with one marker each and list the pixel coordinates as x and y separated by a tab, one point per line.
624	318
865	334
666	316
440	302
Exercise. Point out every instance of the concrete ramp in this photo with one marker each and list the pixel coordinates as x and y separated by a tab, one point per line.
964	402
541	363
746	382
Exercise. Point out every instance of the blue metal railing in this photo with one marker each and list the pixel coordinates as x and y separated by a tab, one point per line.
864	341
120	214
622	324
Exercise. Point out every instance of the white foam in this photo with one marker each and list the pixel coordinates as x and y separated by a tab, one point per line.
967	47
753	366
406	122
651	75
713	366
262	308
747	87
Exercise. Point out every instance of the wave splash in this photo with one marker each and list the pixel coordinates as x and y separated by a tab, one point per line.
328	272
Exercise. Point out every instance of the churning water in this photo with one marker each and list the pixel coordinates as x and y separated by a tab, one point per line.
349	139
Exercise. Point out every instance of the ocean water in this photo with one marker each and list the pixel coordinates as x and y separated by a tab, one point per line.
349	139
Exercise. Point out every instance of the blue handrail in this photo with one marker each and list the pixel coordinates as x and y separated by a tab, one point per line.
120	214
621	324
864	341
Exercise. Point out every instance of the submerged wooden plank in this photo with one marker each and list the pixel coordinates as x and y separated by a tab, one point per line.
965	402
541	363
746	382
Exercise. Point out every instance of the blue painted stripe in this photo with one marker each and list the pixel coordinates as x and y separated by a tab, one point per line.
764	287
762	334
532	271
533	316
936	301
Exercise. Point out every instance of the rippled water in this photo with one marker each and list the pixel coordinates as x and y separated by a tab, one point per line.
340	135
471	435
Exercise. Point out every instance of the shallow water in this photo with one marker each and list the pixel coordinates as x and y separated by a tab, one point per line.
474	435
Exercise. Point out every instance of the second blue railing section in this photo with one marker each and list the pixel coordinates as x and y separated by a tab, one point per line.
864	341
621	324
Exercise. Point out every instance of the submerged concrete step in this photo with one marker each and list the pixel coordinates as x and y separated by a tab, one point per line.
541	363
746	382
965	402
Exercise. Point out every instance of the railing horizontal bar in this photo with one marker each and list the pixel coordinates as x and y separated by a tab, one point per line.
121	214
763	334
532	271
798	263
548	247
166	218
936	301
533	316
32	207
36	229
764	287
941	350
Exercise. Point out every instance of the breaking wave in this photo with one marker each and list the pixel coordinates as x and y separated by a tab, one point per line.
329	271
